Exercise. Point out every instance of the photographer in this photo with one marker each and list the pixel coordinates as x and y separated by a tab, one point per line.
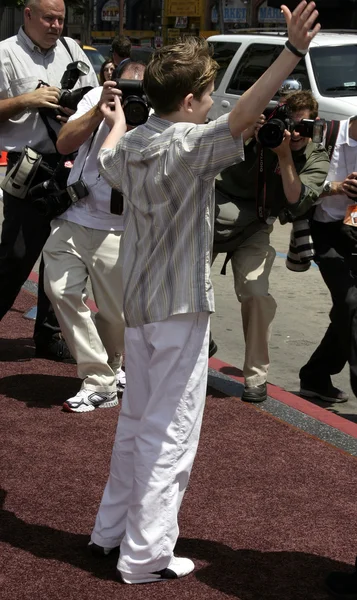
36	54
285	180
335	244
85	243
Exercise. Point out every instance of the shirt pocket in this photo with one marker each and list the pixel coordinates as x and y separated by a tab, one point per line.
23	85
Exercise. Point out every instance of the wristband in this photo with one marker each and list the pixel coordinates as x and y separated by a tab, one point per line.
293	50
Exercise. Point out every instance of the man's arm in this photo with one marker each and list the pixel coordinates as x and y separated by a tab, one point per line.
43	97
291	181
74	133
336	188
256	98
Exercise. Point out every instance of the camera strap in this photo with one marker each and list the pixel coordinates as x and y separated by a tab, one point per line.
263	213
51	132
333	127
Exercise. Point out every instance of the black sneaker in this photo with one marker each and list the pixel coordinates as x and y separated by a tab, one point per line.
328	394
342	585
54	349
257	393
212	348
178	567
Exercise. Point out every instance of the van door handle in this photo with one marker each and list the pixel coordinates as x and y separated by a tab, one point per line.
225	104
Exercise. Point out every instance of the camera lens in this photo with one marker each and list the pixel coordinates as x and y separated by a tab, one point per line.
135	111
271	134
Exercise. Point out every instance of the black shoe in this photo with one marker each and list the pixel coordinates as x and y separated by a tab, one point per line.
100	550
328	394
342	585
54	349
255	394
212	348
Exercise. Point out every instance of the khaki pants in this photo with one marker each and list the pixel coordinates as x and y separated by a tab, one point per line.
251	265
72	254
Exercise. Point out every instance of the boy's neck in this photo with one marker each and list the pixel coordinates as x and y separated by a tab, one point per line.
178	116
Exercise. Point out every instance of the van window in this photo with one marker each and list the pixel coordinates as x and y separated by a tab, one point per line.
255	61
223	53
335	69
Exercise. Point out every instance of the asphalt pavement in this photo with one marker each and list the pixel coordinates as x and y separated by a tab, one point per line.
301	320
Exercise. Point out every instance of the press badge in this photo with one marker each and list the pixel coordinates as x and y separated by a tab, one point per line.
351	215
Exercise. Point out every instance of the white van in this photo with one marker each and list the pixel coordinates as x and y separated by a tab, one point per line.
329	70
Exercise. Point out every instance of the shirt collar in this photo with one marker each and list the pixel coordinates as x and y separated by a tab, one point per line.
157	124
31	45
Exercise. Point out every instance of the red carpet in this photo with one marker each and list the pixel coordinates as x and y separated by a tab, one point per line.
268	513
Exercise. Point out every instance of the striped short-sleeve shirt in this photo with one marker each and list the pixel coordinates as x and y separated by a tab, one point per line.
166	173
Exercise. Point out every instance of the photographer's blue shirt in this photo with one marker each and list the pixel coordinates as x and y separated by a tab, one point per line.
166	172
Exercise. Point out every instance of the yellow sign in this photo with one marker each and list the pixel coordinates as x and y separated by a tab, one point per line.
182	8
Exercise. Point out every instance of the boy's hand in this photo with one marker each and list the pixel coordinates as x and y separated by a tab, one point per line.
300	22
113	117
109	91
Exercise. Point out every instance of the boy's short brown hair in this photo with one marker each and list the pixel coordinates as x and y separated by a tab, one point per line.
302	100
175	71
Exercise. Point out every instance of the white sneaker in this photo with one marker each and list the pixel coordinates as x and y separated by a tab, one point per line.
120	378
87	400
178	567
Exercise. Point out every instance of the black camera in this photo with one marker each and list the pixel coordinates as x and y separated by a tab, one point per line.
134	101
271	134
53	197
68	98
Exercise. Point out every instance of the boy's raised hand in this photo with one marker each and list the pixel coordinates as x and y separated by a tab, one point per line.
300	24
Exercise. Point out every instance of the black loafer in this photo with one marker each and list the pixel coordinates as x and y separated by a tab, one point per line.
255	394
212	348
328	394
54	349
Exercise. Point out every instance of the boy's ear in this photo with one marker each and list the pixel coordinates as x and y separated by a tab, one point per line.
187	103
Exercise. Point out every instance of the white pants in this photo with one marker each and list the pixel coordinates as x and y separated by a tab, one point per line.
71	254
159	424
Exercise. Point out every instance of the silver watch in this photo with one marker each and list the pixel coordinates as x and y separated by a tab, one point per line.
327	187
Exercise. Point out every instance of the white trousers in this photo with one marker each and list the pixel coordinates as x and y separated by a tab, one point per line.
159	424
72	254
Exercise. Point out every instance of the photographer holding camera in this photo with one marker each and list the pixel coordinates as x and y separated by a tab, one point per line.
85	243
282	176
32	63
334	235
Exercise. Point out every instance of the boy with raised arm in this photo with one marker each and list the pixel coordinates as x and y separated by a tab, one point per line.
165	170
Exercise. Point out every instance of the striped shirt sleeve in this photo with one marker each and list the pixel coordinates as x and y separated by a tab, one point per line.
110	165
210	148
